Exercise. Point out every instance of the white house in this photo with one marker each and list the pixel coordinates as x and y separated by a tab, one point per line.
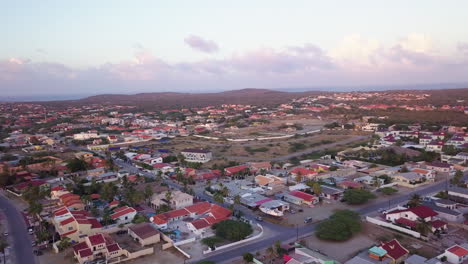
196	155
456	254
124	214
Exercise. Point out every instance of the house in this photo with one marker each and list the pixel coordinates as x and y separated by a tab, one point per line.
144	233
123	215
196	155
258	167
448	213
438	166
212	213
435	145
75	224
414	214
331	193
349	185
429	175
395	251
410	217
235	170
97	247
456	254
178	199
390	252
368	180
20	188
302	255
303	173
409	179
305	198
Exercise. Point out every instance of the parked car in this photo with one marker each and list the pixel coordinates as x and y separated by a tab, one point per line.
259	218
307	220
5	234
37	252
292	211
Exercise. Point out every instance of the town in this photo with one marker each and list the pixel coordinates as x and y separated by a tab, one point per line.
327	178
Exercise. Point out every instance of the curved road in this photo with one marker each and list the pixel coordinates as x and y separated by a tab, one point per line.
287	234
17	229
281	233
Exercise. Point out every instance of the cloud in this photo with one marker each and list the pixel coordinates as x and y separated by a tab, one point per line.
356	61
200	44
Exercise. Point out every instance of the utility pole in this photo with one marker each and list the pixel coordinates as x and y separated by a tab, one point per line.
297	232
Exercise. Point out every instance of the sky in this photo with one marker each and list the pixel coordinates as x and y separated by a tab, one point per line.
65	48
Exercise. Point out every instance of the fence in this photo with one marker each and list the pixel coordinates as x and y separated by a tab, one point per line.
236	243
392	226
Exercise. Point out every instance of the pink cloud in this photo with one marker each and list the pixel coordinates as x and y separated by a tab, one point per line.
200	44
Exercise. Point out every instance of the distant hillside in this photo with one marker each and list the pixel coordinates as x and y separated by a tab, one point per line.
168	100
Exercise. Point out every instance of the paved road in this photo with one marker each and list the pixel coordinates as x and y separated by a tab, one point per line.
300	153
288	234
17	229
281	233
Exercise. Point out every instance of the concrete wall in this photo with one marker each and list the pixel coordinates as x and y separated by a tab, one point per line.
236	243
392	226
143	252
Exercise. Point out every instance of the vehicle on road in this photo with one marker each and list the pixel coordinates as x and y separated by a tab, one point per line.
5	234
307	220
259	218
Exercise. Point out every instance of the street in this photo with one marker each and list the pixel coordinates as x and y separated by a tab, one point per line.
277	232
17	228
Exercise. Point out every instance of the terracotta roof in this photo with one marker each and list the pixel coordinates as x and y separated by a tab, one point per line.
457	250
85	253
200	223
438	223
96	239
423	211
113	247
67	221
304	196
394	249
144	230
406	222
79	246
122	211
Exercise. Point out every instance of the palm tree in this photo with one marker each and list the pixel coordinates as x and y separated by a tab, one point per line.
218	197
237	199
414	201
423	227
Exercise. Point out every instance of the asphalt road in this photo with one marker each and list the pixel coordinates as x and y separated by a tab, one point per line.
281	233
17	229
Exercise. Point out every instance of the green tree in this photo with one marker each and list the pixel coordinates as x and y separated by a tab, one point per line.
414	201
248	257
148	192
76	164
218	197
35	208
357	196
212	241
340	226
317	188
237	199
456	180
64	243
423	227
232	230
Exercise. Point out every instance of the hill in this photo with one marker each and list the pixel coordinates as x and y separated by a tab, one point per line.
170	100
